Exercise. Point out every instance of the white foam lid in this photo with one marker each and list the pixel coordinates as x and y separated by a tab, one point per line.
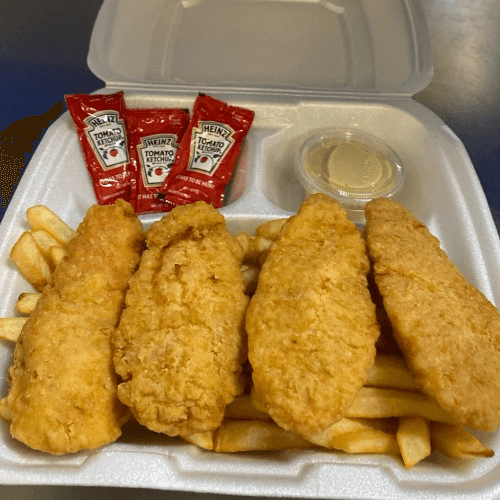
320	46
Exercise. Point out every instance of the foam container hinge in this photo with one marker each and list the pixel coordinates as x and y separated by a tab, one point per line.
365	90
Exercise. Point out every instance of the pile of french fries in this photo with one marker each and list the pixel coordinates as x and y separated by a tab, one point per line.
390	415
36	254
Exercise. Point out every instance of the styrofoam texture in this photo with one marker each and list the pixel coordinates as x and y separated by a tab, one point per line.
345	46
442	189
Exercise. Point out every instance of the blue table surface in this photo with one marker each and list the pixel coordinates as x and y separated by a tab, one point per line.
43	53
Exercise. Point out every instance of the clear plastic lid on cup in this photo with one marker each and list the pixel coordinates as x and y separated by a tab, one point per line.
351	166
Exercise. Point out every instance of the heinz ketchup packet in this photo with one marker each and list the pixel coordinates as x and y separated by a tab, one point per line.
207	153
99	119
154	136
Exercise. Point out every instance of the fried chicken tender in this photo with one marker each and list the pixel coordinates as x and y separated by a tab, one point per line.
180	344
63	392
446	328
311	323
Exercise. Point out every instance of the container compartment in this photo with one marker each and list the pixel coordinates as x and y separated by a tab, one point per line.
441	189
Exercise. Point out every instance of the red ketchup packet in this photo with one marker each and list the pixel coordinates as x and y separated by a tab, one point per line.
99	120
154	136
207	153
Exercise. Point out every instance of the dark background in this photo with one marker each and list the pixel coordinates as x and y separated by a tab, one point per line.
43	54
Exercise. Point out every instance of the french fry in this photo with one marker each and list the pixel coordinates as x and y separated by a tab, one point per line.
270	229
414	440
374	402
257	401
391	372
262	244
243	241
367	441
44	242
56	255
261	258
252	435
349	435
327	438
42	217
203	440
4	410
454	441
11	328
247	244
26	302
30	261
242	408
250	276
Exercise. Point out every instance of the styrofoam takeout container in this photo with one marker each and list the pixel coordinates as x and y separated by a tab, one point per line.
301	65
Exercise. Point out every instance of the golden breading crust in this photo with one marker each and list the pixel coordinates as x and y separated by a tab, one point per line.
180	344
311	323
63	397
448	331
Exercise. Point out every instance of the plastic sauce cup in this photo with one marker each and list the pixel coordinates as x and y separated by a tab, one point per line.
351	166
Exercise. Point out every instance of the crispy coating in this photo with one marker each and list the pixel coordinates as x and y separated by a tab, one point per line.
180	344
311	323
63	393
448	331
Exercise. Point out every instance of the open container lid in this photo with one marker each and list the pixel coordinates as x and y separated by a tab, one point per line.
313	46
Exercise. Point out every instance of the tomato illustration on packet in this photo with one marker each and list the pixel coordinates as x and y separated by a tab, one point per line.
99	120
154	136
207	153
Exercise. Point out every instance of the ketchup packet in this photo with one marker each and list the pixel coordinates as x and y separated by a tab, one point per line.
154	136
207	153
99	120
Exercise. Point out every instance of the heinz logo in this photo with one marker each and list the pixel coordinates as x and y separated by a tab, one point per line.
157	141
215	128
99	121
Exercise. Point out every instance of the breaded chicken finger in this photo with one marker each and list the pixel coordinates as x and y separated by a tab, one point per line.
311	324
180	345
63	388
447	330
